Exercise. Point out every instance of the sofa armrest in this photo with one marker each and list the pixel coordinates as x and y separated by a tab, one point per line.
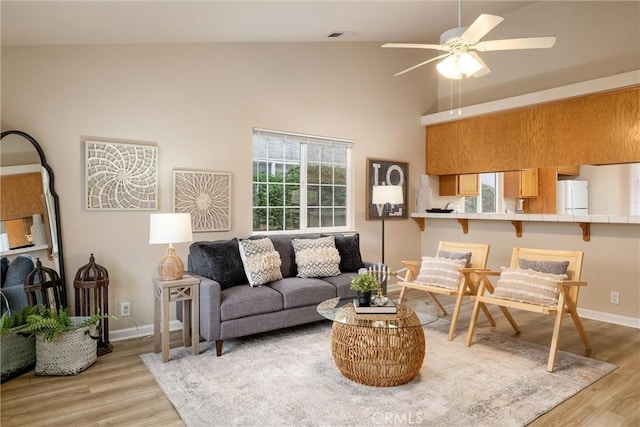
209	307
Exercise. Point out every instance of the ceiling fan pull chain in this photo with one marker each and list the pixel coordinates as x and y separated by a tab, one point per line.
460	97
450	96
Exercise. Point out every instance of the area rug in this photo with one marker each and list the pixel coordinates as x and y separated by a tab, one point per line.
288	378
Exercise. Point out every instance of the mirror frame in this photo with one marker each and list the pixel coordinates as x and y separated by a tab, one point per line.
56	203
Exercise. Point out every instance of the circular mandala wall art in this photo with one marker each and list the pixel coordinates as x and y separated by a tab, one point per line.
204	195
121	176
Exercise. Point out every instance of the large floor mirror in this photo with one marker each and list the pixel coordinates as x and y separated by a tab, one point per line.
29	208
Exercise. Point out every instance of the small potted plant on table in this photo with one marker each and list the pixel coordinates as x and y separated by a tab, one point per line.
364	284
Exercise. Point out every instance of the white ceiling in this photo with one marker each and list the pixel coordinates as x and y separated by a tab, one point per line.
155	21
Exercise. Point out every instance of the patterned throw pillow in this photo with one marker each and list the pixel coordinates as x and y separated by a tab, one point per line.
530	286
316	257
442	272
261	261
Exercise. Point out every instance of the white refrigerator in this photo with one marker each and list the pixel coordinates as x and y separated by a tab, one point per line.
573	197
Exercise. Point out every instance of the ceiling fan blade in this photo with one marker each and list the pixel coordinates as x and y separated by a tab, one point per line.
508	44
485	69
480	27
420	64
417	46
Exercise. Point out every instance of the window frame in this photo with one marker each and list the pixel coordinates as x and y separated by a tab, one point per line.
305	140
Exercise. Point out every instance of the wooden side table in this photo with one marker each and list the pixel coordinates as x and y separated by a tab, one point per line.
186	290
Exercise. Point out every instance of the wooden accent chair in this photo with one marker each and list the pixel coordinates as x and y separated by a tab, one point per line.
467	285
567	293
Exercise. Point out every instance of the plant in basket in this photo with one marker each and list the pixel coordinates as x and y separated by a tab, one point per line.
17	350
364	284
65	345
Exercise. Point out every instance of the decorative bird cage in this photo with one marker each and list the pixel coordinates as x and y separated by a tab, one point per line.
43	286
91	286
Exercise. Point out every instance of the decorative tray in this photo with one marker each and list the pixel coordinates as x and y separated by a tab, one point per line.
436	210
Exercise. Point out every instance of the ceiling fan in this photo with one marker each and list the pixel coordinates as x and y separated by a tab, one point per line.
460	43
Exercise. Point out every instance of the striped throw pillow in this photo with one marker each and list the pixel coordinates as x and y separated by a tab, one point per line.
530	286
441	272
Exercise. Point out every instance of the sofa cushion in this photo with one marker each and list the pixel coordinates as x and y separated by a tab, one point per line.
219	261
441	272
316	257
349	250
299	292
528	286
342	283
261	261
244	300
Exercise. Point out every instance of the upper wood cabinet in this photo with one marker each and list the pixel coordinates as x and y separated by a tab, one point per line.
600	128
569	170
521	184
459	185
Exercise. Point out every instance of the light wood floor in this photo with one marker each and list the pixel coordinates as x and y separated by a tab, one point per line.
119	391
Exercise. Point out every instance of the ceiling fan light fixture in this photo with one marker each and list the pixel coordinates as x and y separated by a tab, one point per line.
454	66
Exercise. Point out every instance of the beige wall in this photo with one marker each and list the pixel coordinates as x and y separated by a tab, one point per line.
589	46
199	103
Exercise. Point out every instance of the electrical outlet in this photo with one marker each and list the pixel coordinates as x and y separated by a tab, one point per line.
125	309
615	297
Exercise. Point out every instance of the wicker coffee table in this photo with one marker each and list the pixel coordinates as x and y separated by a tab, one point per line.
380	350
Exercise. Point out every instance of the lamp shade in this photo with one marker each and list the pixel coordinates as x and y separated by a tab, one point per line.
170	228
387	194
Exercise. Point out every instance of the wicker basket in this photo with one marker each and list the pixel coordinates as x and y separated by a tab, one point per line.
17	354
68	354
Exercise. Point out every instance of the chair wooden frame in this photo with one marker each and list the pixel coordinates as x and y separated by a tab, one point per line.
567	299
468	281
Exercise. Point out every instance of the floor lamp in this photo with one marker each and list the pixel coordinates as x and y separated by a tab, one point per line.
387	196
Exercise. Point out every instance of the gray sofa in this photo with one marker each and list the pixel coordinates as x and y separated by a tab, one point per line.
231	308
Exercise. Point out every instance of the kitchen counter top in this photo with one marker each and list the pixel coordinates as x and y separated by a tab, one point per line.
600	219
584	221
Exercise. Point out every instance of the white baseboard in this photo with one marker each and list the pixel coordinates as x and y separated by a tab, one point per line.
140	331
616	319
176	325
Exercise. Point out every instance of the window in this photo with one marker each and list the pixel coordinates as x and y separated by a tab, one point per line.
486	201
300	182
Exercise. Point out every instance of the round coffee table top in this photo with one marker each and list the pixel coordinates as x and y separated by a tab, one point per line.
411	313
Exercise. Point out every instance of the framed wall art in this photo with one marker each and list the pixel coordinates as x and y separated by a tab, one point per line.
206	196
386	172
120	175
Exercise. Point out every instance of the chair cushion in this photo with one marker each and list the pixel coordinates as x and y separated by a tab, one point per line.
349	250
219	260
317	257
18	270
261	261
456	255
529	286
554	267
442	272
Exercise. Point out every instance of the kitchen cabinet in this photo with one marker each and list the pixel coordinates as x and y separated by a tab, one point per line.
521	184
569	170
459	185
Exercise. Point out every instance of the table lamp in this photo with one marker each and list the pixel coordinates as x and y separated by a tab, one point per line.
170	228
386	195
